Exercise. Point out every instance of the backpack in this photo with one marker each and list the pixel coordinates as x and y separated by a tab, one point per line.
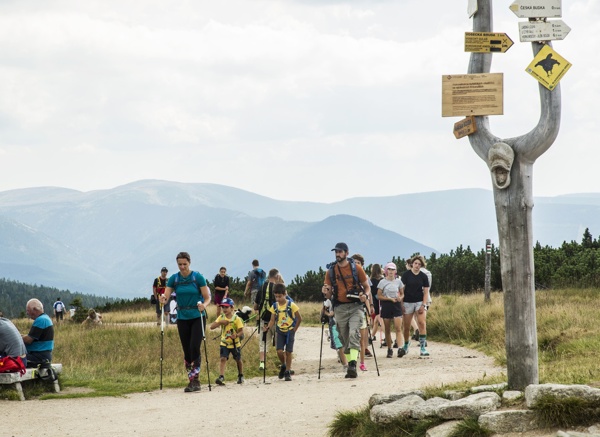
333	281
260	277
12	364
288	311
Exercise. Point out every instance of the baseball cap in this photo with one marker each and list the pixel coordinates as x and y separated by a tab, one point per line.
164	269
341	246
390	266
227	302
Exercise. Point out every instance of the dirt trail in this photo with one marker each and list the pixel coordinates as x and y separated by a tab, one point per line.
307	403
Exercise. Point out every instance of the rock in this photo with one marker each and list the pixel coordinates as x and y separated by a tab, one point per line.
455	395
535	391
429	408
575	434
473	405
443	430
385	413
512	395
378	399
491	387
506	421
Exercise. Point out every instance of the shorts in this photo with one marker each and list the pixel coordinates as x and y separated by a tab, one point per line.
218	298
59	315
285	341
391	310
224	352
253	294
412	307
364	325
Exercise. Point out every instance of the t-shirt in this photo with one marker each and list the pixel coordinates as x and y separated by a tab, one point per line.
160	284
188	295
42	332
282	318
59	307
346	274
390	288
11	342
221	282
235	324
413	286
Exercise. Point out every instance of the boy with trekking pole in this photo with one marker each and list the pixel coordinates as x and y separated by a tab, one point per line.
285	316
232	331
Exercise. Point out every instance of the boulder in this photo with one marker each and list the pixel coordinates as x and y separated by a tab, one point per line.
511	395
455	395
443	430
429	408
491	387
385	413
502	422
378	399
473	405
560	391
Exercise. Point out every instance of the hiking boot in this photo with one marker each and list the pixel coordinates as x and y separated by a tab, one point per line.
424	352
395	344
351	370
194	385
383	343
281	372
405	348
415	336
240	379
390	353
220	380
288	377
261	366
368	353
401	352
363	367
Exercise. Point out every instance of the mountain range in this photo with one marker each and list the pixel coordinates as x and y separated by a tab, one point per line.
114	242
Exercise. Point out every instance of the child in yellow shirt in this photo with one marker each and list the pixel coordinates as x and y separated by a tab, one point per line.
232	331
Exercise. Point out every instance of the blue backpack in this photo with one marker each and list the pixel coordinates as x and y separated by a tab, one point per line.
261	276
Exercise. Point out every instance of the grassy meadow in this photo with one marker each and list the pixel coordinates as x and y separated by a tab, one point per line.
123	355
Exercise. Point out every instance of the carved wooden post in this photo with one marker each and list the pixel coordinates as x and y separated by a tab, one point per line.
513	197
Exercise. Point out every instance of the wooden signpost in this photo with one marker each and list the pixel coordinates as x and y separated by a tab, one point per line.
537	8
466	126
487	42
472	94
530	31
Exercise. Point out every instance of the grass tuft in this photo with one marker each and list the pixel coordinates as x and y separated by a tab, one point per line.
567	412
470	427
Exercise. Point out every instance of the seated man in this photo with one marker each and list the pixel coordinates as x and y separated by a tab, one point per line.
40	340
11	343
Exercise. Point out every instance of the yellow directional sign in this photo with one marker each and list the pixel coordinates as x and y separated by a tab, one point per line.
548	67
487	42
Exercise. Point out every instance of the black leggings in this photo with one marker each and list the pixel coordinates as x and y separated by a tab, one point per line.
190	334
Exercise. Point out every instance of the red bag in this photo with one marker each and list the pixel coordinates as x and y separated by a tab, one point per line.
10	364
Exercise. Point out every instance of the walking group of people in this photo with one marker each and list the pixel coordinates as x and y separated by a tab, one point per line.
352	299
355	307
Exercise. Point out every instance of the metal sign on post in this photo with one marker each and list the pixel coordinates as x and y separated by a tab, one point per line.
472	94
531	31
537	8
487	42
472	8
548	67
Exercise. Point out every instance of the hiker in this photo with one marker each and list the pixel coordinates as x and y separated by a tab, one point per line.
193	296
232	331
265	298
59	309
39	342
376	276
221	288
334	338
390	292
93	319
11	342
285	315
158	289
255	279
364	331
347	285
414	324
416	296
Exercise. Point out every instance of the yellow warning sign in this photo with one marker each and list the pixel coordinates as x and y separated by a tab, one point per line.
548	67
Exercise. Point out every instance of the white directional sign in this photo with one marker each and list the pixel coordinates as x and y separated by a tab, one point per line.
537	8
543	30
472	8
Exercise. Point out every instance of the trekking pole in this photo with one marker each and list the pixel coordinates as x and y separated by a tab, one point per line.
162	341
321	348
265	349
206	349
367	317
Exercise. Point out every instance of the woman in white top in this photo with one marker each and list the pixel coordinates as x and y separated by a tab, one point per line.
390	292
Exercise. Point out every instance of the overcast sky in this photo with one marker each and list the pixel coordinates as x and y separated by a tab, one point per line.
299	100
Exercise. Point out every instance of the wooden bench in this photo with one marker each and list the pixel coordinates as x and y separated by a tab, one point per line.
15	379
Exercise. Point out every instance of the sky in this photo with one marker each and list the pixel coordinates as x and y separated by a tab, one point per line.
306	100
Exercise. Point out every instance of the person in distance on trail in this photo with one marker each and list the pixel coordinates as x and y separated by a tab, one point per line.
255	279
414	324
265	298
416	296
11	342
193	296
221	288
285	315
359	260
59	309
232	331
348	295
39	342
390	292
158	289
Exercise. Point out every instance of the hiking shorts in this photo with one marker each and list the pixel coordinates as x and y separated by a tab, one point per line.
285	341
412	307
218	298
224	352
390	310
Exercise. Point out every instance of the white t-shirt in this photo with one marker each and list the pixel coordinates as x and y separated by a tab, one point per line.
390	288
